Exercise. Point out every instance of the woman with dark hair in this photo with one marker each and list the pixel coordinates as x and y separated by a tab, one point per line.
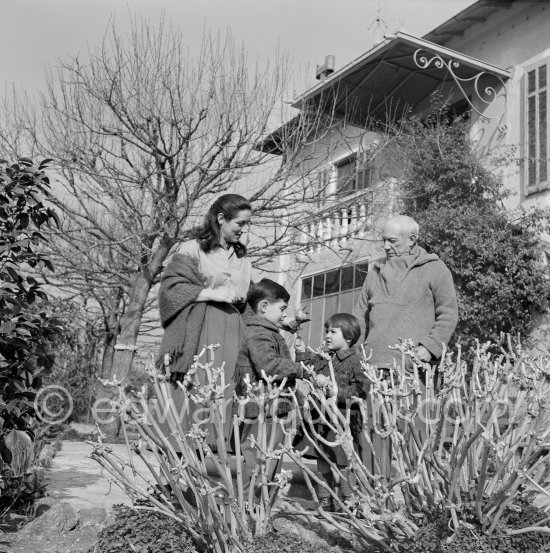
202	295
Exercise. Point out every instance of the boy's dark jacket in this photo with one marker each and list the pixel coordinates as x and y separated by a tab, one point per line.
263	349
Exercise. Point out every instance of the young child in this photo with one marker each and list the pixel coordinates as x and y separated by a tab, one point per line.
264	349
342	332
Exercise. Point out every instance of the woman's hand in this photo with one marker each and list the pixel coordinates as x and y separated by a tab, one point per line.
224	294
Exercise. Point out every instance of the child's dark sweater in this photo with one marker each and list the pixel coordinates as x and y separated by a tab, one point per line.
351	382
347	371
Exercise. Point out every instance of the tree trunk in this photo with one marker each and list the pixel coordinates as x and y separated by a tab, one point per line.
129	328
108	356
123	352
112	330
130	323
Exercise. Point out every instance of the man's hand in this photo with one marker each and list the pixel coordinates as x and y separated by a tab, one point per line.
422	354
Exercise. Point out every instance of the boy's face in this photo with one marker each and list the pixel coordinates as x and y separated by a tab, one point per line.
334	339
274	312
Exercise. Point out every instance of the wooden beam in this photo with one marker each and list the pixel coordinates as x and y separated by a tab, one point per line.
472	19
499	3
449	33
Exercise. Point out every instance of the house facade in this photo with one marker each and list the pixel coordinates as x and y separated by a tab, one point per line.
492	60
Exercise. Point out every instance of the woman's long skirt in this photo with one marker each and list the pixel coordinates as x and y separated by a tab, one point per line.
222	325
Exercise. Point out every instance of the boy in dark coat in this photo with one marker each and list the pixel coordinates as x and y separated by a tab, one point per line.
264	349
342	332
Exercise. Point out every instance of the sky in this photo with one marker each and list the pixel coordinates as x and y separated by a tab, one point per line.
37	33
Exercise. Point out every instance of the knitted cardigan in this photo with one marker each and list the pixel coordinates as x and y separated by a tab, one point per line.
423	308
181	316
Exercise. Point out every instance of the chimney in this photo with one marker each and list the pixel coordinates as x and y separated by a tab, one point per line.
323	71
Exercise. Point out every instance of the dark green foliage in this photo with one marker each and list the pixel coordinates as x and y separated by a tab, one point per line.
284	543
435	536
26	328
492	252
143	532
150	532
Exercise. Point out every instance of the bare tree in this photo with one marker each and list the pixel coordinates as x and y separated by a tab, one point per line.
143	136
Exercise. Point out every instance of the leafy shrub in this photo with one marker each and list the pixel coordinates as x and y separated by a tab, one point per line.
143	532
436	537
493	253
26	327
150	532
283	543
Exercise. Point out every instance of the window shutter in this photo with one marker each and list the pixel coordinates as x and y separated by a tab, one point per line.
364	172
346	174
542	76
531	141
531	81
537	128
543	161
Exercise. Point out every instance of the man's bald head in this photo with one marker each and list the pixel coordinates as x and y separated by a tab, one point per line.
403	224
399	235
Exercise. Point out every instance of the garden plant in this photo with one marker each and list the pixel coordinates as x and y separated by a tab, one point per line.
27	327
470	443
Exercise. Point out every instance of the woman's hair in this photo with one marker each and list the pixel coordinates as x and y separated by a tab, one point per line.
208	234
348	324
268	290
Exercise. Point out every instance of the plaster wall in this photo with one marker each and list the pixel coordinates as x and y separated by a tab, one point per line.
514	39
334	145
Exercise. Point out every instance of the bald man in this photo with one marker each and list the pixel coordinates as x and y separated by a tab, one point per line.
409	294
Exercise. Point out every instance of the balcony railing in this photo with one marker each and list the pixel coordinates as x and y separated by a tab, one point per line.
335	225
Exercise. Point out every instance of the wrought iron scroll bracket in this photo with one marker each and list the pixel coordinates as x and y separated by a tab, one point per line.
487	95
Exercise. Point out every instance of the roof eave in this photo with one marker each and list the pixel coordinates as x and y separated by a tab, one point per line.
404	38
470	14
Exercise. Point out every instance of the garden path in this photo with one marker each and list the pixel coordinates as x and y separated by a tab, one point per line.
74	477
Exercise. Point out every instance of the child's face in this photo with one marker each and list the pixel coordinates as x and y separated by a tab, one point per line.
274	312
334	339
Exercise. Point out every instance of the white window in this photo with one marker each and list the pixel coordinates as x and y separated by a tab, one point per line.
327	293
352	174
536	132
